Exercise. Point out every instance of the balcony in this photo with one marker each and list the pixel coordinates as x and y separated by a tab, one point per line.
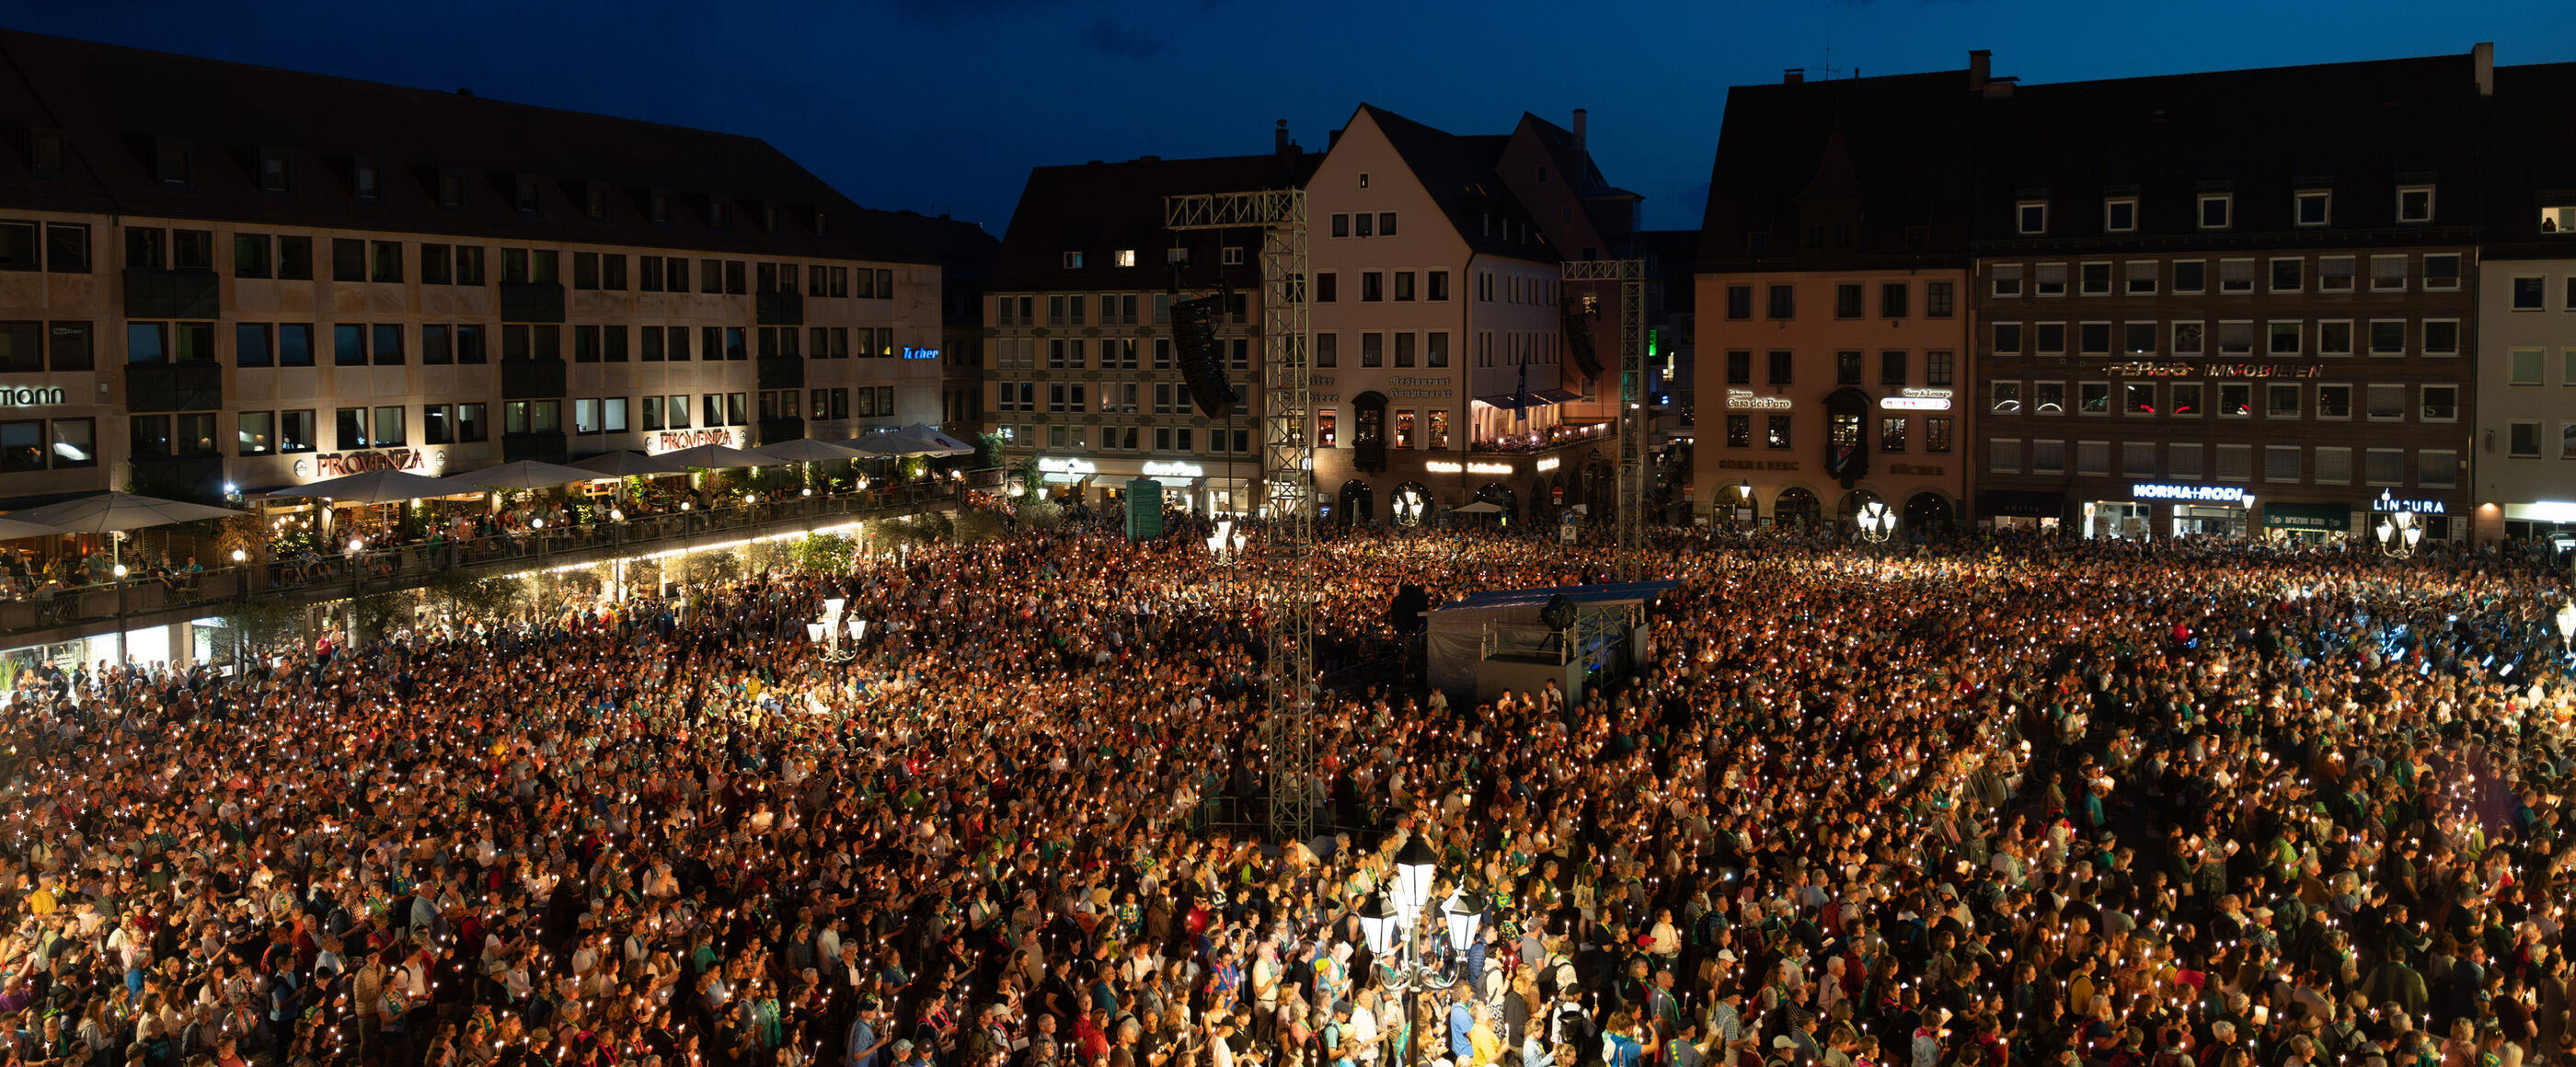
156	387
172	294
778	307
532	379
532	302
780	372
544	446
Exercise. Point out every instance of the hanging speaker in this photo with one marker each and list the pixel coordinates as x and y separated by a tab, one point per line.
1580	312
1202	356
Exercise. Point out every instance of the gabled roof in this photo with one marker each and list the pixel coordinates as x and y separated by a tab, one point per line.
1890	150
1099	209
119	108
1458	172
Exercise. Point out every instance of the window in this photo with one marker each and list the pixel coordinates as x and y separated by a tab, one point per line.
348	345
1372	287
2439	468
2384	466
389	427
2441	337
1435	285
350	429
294	344
2286	274
1739	303
1784	302
1847	301
2048	457
2334	337
2004	398
2190	276
2095	398
1372	349
1892	433
2235	400
2386	402
2312	207
385	261
1739	431
1936	434
2441	403
2387	337
2094	279
2281	463
2280	401
1404	285
2415	203
2031	217
469	264
2006	279
388	344
2138	398
2049	279
2522	366
2137	338
2281	338
2530	293
1386	224
1342	222
2523	440
2093	338
2187	338
2007	339
2216	210
1781	365
2049	339
1364	224
1846	368
1404	349
22	445
70	347
1775	431
2334	401
1435	349
2442	272
22	347
2235	463
348	260
2120	214
2186	400
1937	369
2003	455
1892	369
2334	465
1938	300
2335	274
250	345
2235	275
2387	274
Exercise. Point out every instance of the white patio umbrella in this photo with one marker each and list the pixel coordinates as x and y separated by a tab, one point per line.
936	436
105	512
806	450
13	529
524	474
718	456
891	443
372	487
1480	507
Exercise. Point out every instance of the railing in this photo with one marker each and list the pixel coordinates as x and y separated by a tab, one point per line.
382	569
1569	436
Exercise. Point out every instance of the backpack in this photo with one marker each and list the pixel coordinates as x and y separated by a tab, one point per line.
1569	1026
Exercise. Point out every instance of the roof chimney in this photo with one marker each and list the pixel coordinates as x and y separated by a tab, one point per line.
1279	138
2482	56
1981	64
1793	75
1579	116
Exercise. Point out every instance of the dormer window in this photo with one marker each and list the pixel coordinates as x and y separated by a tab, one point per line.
819	229
2415	203
371	182
45	153
276	176
1073	261
1363	179
2217	210
594	201
716	214
2030	217
661	209
2313	207
451	189
1126	257
170	162
2120	214
768	219
525	196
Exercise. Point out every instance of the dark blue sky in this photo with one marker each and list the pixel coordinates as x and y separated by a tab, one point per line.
943	105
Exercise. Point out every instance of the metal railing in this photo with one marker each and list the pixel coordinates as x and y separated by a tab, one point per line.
380	568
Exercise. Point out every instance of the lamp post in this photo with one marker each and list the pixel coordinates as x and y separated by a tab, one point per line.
1877	524
2398	533
2567	625
827	632
1397	913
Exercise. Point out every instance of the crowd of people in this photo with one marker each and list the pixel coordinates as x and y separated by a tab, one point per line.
1996	802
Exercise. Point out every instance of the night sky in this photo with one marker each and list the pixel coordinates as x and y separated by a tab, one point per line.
944	105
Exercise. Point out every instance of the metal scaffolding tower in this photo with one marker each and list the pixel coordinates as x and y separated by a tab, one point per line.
1288	487
1631	276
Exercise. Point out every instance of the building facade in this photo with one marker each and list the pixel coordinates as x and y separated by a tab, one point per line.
2266	336
1082	374
1833	307
2526	339
205	300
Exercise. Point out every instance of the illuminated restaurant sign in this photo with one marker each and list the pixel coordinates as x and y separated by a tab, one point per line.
343	464
2216	494
675	440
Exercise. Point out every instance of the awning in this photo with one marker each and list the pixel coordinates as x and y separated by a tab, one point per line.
1064	477
2281	516
1535	398
2022	503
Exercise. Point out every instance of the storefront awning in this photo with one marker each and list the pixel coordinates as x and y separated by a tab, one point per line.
1064	478
1535	398
2336	518
2021	503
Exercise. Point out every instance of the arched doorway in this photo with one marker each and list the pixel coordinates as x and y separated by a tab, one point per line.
1848	511
1359	508
1500	495
1796	507
1409	503
1733	506
1927	513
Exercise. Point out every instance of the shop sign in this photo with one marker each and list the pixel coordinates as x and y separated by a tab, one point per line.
1757	464
1420	388
2388	502
2149	369
27	396
1160	469
343	464
1915	403
1922	392
1549	464
1745	398
910	352
1442	466
675	440
2216	494
1419	394
1064	465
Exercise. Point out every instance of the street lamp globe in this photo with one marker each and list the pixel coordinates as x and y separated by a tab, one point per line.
2567	622
239	555
1378	926
1465	911
1414	864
